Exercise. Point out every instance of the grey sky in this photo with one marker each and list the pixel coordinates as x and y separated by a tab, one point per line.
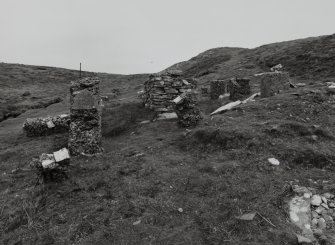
138	36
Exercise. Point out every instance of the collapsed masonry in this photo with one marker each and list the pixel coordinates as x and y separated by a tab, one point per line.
161	89
218	87
187	110
52	167
85	112
46	126
239	88
272	83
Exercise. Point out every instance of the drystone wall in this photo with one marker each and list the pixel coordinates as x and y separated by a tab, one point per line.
187	109
46	126
239	88
161	89
217	88
85	111
272	83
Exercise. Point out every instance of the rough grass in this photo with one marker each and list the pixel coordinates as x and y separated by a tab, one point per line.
132	192
123	118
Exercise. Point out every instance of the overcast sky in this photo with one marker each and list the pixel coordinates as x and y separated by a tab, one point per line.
140	36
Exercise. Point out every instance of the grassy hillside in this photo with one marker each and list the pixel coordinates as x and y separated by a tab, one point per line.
25	87
305	59
157	183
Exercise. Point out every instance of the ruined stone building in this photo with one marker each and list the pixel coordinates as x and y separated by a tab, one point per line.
161	89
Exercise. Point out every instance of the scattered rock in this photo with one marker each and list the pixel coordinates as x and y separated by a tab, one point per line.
167	116
307	195
247	216
303	240
273	161
324	199
322	223
137	222
145	122
316	200
324	205
319	210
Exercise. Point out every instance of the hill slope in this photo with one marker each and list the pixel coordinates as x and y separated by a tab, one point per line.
157	183
310	58
25	87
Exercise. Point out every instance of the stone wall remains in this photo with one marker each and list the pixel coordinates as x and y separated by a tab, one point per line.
239	88
46	126
161	89
85	111
217	88
272	83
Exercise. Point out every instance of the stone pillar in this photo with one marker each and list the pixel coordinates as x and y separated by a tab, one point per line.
239	88
187	110
217	88
272	83
85	112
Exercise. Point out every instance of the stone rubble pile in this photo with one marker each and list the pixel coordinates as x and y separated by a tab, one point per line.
272	83
313	213
46	126
52	167
217	88
161	89
187	110
85	112
239	88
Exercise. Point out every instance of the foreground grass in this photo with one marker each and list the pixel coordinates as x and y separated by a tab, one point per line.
157	184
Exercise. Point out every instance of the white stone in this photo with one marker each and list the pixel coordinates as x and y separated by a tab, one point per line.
307	195
324	199
248	216
48	161
177	99
273	161
324	205
50	124
319	210
331	205
328	195
61	155
316	200
180	210
167	115
303	240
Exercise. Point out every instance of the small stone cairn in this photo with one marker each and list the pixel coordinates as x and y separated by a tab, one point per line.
187	110
217	88
162	88
46	126
85	112
239	88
